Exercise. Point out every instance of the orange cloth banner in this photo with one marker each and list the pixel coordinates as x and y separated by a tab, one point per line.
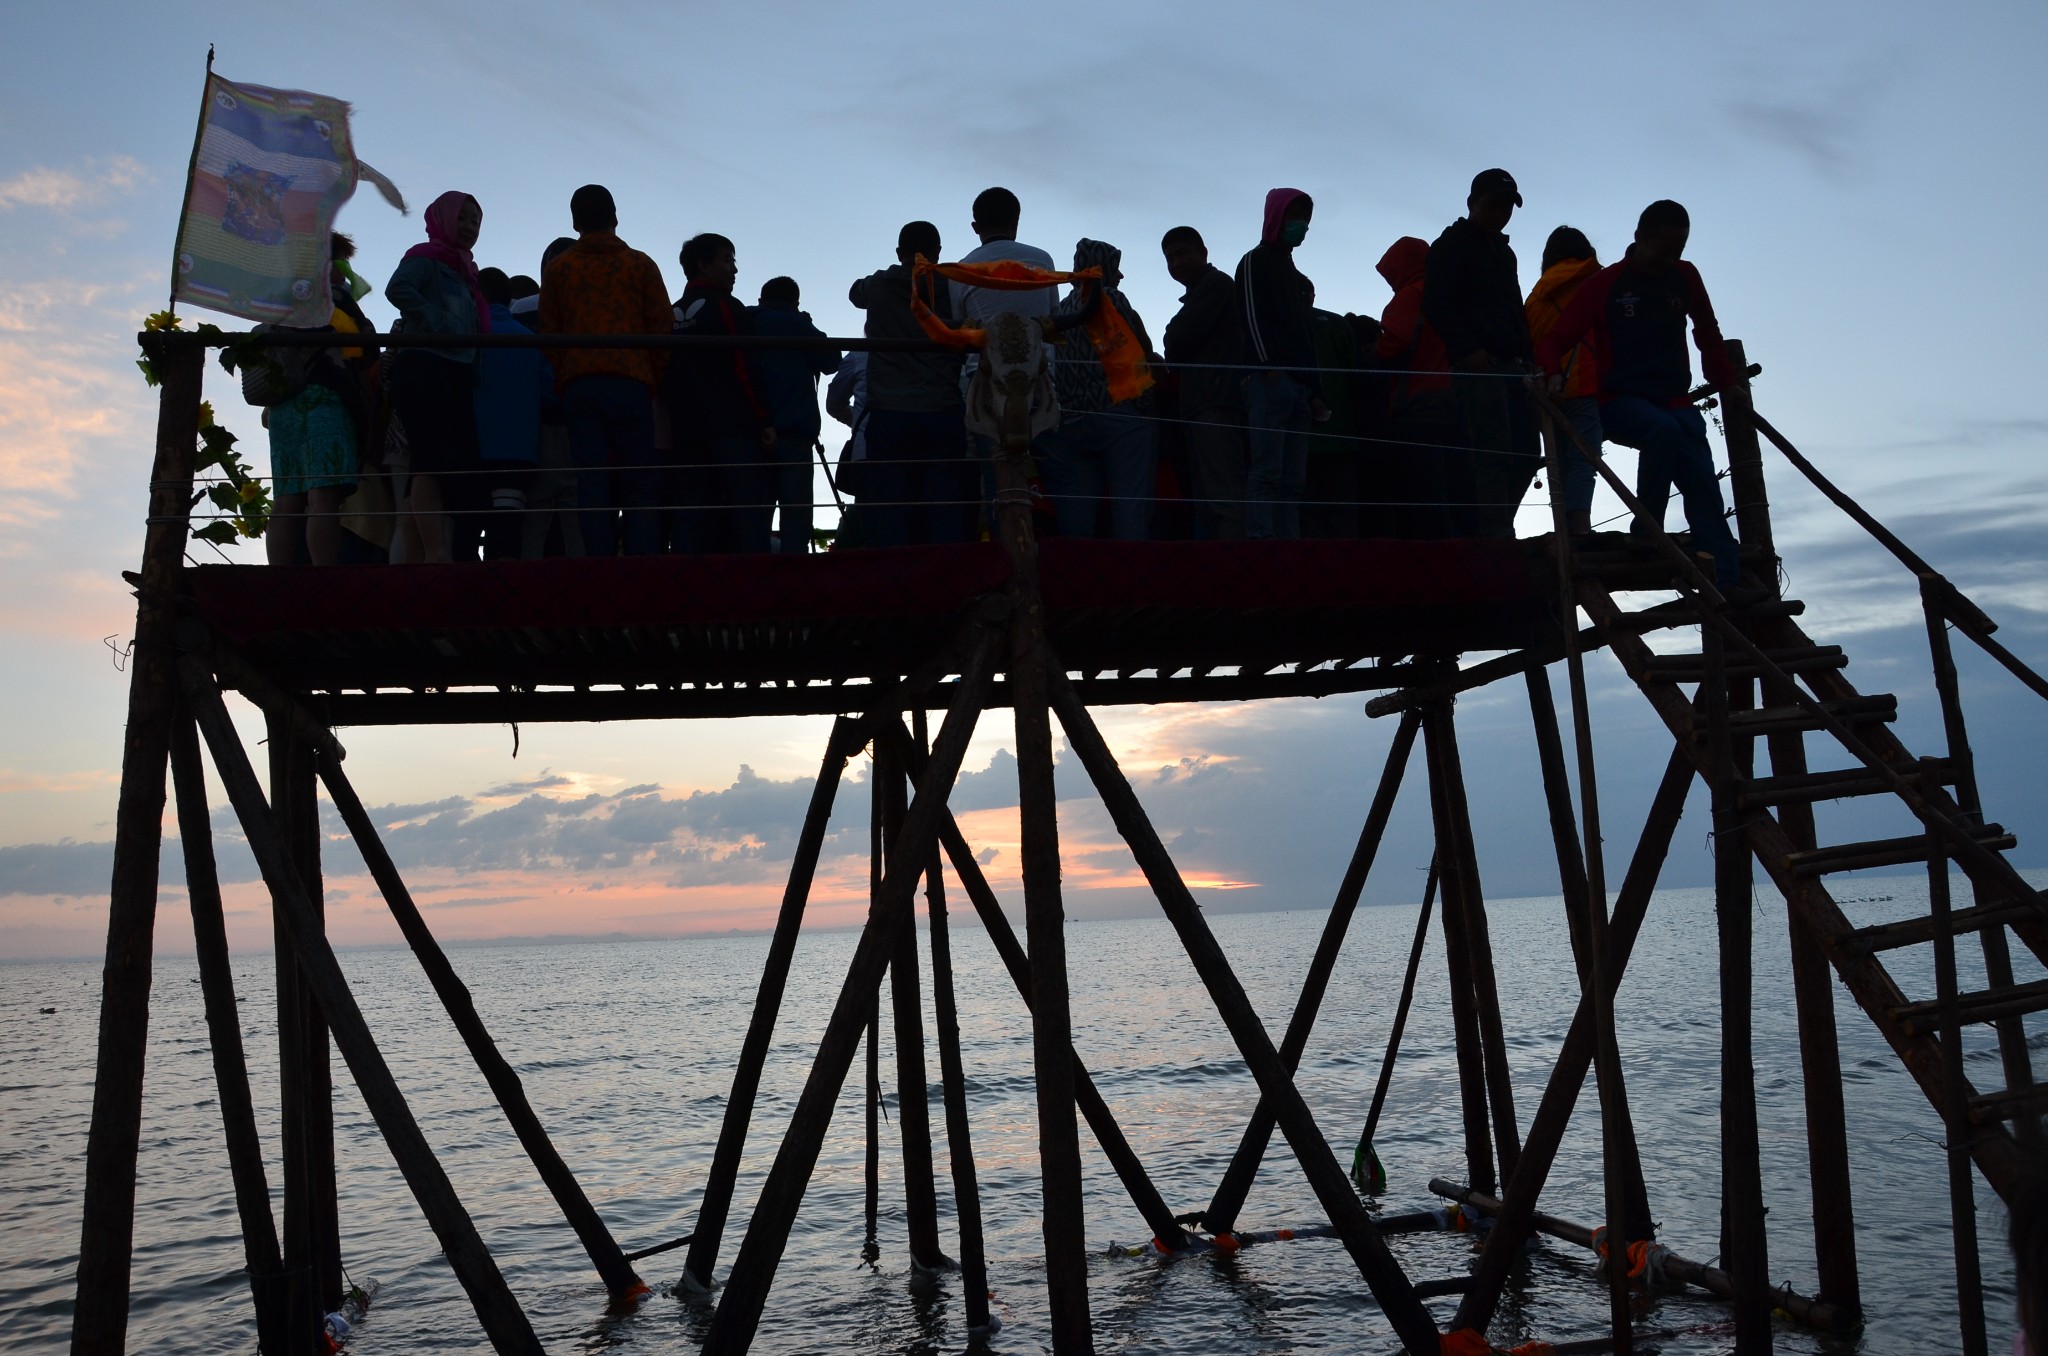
1123	361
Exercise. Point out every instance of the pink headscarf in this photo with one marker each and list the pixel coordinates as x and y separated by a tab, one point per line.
440	246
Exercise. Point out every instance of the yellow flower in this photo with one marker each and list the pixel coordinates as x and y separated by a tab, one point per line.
251	491
206	414
162	320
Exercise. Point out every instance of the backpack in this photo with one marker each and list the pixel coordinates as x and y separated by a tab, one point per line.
275	375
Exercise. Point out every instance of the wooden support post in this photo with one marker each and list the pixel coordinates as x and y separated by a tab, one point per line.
224	1031
1115	1147
1743	1241
1746	463
106	1240
753	1272
913	1088
713	1210
612	1267
1616	1120
504	1323
953	1078
873	1092
1221	1216
1568	1075
312	1212
1458	961
1820	1056
1383	1275
1962	1182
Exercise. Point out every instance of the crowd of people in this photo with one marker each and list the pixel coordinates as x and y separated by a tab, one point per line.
1269	417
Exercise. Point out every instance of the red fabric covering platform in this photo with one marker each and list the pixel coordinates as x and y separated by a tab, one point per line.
767	624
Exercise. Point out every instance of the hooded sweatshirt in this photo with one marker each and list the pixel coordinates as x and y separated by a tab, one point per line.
1547	302
1078	379
1406	340
1272	300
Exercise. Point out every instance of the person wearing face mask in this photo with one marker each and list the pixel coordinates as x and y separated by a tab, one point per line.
436	291
1472	298
1283	394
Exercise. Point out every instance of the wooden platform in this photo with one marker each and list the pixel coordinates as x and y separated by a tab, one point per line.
716	636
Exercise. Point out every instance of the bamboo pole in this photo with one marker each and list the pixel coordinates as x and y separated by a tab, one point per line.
1382	1273
312	1213
224	1032
913	1088
953	1079
1393	1051
612	1267
746	1079
738	1316
504	1323
1469	1044
872	1250
1546	1129
1813	1313
1744	1242
106	1240
1221	1216
1579	906
1962	1183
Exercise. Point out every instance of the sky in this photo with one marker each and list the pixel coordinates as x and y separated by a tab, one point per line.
1864	181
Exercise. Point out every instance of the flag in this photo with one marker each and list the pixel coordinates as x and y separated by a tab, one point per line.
269	172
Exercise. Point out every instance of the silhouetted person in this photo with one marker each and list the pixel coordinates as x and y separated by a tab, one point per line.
512	384
1204	345
1431	471
1106	450
1282	389
1472	298
1335	484
724	431
602	286
913	477
1632	316
789	385
435	290
1568	260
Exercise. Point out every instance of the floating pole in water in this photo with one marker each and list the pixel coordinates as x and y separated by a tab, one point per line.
613	1267
1221	1216
224	1031
1648	1261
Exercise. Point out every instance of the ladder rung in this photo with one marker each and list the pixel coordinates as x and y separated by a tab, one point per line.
1804	787
1983	1005
1875	709
1992	1107
1692	668
1887	852
1683	612
1917	931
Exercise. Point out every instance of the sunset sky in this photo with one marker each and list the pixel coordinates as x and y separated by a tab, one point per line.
1866	190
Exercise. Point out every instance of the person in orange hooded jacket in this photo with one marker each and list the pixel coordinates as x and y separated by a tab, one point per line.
1568	260
1433	470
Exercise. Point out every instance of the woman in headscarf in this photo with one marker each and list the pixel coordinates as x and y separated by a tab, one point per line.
436	292
1108	450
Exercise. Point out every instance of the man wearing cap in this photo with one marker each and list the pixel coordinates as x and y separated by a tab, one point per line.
1472	298
600	285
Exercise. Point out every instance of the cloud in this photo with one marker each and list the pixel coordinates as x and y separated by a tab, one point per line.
66	190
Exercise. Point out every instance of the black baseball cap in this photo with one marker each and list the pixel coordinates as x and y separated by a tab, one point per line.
1489	182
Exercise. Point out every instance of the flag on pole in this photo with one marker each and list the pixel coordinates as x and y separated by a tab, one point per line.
271	169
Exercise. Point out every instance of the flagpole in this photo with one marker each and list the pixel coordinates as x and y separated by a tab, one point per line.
191	173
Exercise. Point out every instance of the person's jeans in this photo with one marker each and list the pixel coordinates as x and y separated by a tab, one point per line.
1276	468
724	496
1499	427
918	485
1432	473
793	490
611	435
1583	415
1216	463
1672	449
1102	453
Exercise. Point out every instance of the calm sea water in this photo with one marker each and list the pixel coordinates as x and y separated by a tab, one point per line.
626	1050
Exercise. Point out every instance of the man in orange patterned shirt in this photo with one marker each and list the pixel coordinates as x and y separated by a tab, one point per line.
601	286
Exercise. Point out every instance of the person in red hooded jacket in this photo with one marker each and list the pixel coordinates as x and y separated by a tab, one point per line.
1430	460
